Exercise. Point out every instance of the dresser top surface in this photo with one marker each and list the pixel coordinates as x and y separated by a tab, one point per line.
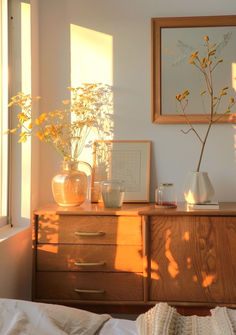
87	208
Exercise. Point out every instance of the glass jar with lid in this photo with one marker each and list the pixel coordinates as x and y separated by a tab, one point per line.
165	196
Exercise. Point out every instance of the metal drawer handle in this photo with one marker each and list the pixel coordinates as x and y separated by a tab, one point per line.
89	291
80	233
90	264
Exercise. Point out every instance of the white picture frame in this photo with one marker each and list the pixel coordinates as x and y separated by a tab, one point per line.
122	160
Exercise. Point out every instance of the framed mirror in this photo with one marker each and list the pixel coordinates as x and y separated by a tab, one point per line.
174	39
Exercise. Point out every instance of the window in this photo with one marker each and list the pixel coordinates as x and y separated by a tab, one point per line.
19	64
3	112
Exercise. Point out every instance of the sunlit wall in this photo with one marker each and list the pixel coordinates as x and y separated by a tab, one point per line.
91	62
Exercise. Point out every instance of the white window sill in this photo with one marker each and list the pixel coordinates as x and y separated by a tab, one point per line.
8	231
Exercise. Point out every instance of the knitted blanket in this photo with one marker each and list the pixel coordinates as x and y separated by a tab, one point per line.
165	320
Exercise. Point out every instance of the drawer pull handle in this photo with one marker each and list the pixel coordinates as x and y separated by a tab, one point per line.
89	264
89	291
99	233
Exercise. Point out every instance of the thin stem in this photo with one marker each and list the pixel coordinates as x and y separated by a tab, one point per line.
189	123
203	146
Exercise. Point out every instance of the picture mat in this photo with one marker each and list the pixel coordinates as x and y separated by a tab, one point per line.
121	160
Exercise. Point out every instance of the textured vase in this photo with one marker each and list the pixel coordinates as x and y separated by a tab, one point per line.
198	188
70	186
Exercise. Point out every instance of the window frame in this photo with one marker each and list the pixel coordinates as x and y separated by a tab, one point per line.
4	119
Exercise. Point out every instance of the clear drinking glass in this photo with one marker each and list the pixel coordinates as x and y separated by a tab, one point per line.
113	193
165	196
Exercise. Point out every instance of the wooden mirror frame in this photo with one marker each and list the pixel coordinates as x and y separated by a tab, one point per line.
180	22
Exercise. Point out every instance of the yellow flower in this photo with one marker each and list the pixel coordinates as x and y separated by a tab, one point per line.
22	117
212	52
23	137
65	102
191	62
231	100
206	38
194	54
40	136
57	127
41	119
223	93
186	92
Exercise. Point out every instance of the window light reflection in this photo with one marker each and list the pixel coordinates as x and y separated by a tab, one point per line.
26	88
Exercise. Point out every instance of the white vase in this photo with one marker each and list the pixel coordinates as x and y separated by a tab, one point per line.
198	188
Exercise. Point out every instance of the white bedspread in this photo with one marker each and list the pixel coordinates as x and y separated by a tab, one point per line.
28	318
164	320
119	327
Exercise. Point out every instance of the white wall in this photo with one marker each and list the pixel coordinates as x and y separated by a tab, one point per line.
128	21
15	266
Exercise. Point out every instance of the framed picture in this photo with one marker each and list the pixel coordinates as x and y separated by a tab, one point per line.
128	161
174	39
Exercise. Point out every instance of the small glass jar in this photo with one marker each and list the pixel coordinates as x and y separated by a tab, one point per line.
113	193
165	196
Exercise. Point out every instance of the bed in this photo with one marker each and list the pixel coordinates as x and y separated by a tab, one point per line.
19	317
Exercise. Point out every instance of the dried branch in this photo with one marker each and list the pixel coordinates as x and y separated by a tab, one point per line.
206	67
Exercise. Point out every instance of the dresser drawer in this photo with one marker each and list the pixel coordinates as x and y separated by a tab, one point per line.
90	229
54	257
92	286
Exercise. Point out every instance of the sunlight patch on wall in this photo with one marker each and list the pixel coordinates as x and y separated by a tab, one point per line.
91	61
26	88
234	76
91	56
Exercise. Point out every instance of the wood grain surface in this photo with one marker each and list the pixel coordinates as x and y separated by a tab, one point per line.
117	230
63	257
62	285
193	259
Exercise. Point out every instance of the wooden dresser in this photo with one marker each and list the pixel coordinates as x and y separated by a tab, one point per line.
134	256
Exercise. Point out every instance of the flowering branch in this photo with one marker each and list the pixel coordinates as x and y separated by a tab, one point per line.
206	66
65	130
